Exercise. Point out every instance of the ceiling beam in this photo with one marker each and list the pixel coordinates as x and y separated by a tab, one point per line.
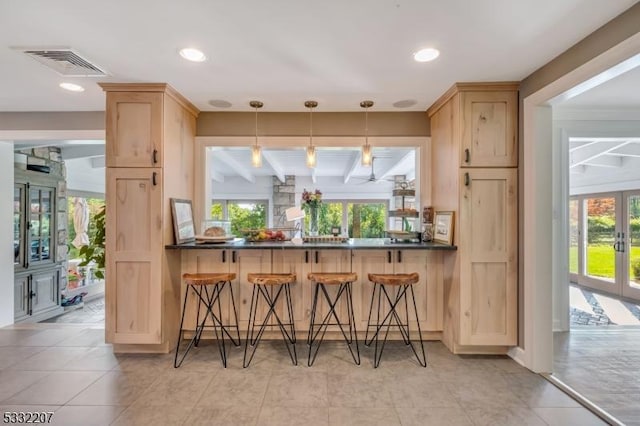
314	175
400	167
98	162
605	161
271	160
352	166
631	150
592	152
576	145
242	169
217	176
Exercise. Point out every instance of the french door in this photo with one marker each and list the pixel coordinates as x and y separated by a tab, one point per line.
604	249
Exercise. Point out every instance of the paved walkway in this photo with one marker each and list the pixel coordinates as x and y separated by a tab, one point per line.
590	308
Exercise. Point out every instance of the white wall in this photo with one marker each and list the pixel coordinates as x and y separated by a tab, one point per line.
6	233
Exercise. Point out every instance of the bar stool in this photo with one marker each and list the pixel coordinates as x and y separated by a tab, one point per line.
208	287
264	287
343	280
402	284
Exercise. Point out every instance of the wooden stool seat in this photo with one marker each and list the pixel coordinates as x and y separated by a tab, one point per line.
332	278
395	279
271	279
207	278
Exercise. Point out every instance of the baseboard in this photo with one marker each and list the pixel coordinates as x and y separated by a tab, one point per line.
517	354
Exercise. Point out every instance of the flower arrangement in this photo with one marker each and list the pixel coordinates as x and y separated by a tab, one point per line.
74	275
311	199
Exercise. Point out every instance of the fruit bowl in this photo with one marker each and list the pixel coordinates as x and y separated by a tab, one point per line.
268	234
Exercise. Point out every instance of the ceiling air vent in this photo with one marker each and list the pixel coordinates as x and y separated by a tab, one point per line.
65	62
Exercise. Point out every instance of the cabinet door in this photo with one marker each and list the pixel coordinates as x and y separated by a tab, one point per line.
488	129
244	262
45	291
19	225
365	262
134	261
41	225
488	256
134	129
429	290
296	262
21	298
202	261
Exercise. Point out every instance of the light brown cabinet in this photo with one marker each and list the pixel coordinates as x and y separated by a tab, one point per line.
147	124
474	169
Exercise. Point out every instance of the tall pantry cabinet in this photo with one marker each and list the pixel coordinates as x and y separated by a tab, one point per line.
150	136
474	169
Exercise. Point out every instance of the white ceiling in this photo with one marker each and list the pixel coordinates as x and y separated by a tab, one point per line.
331	162
284	52
622	92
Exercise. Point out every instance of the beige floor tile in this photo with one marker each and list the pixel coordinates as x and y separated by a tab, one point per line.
51	359
86	415
49	337
360	388
175	388
297	389
87	337
10	355
291	416
96	359
223	416
535	391
363	417
115	388
236	387
433	416
578	416
420	390
55	389
15	337
137	415
504	416
13	381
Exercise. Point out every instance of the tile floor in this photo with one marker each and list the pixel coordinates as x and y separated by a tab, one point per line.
92	312
603	364
68	369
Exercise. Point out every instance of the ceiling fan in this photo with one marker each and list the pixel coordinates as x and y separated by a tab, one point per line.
372	177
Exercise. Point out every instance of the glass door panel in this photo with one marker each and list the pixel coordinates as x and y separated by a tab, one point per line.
574	235
601	229
631	248
18	225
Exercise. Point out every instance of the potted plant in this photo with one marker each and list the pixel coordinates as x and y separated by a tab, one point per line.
94	252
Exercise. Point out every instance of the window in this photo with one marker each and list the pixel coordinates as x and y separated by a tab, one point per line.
364	219
243	214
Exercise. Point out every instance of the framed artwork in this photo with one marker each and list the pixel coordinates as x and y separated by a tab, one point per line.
443	228
183	228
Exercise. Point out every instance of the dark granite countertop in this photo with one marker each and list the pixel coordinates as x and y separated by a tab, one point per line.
351	244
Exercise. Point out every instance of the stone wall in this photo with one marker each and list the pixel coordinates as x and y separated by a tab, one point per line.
284	196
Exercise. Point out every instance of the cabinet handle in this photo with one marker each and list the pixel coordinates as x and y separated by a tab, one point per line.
388	256
32	294
467	155
399	256
224	256
233	256
154	178
155	156
466	179
306	256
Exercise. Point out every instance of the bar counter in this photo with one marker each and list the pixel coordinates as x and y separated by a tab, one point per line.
351	244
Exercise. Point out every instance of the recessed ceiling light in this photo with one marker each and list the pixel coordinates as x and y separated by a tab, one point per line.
426	55
192	54
405	103
72	87
220	103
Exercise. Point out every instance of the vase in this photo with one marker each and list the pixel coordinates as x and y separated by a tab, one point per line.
313	220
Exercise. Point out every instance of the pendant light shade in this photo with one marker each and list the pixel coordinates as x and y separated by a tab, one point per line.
367	152
311	150
256	150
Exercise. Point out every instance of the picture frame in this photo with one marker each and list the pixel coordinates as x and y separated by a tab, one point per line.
183	228
443	227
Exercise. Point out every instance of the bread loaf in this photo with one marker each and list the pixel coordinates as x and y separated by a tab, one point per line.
215	231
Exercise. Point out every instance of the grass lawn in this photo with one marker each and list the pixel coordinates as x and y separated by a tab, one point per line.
600	261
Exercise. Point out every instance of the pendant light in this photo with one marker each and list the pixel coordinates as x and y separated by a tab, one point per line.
256	150
311	150
367	153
